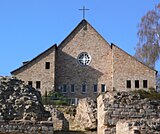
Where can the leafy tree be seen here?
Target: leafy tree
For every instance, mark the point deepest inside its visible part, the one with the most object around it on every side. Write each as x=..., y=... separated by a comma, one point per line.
x=148, y=47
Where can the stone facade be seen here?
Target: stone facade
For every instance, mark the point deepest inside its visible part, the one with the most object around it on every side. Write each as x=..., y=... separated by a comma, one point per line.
x=35, y=71
x=125, y=67
x=68, y=71
x=113, y=107
x=109, y=68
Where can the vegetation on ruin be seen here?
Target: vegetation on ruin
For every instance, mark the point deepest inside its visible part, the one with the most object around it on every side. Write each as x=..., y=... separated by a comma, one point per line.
x=54, y=98
x=151, y=93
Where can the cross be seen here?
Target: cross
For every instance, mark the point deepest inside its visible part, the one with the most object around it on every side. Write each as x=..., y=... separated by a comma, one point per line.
x=83, y=9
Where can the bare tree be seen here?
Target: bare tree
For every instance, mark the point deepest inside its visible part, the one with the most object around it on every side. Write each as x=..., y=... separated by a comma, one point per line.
x=158, y=82
x=148, y=47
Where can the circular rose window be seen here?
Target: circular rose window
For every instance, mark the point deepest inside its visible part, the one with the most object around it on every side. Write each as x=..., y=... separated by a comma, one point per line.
x=84, y=59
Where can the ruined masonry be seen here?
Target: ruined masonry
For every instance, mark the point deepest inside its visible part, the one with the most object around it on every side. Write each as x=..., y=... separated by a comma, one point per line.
x=86, y=114
x=21, y=109
x=127, y=113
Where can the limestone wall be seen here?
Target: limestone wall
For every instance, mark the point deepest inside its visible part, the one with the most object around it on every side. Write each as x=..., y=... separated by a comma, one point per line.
x=116, y=106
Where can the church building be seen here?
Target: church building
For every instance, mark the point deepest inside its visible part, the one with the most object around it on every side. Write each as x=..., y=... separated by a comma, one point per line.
x=84, y=64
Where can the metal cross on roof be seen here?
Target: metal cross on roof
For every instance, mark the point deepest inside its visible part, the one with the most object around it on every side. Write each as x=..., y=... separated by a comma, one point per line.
x=83, y=9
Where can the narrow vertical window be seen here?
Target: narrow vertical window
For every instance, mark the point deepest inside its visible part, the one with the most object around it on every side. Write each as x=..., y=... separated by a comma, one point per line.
x=30, y=83
x=103, y=88
x=84, y=88
x=64, y=90
x=38, y=84
x=136, y=83
x=128, y=83
x=145, y=84
x=95, y=88
x=72, y=88
x=47, y=65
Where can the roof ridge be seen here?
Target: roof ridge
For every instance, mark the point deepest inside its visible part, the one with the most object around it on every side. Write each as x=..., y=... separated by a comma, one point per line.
x=84, y=21
x=69, y=35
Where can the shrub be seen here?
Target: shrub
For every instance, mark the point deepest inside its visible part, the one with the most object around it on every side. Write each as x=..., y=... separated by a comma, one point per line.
x=55, y=95
x=150, y=94
x=55, y=98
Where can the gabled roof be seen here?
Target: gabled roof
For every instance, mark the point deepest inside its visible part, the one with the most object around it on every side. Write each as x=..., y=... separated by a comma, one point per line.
x=31, y=61
x=134, y=57
x=81, y=25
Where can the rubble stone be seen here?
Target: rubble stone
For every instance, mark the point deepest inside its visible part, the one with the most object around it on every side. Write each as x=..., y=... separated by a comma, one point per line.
x=86, y=114
x=115, y=106
x=61, y=122
x=139, y=126
x=19, y=101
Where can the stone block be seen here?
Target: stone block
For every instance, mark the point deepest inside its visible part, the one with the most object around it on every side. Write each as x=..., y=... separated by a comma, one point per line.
x=115, y=105
x=116, y=112
x=142, y=111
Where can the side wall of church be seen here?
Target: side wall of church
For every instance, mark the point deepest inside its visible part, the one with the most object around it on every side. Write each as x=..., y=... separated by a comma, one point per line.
x=36, y=72
x=70, y=72
x=125, y=67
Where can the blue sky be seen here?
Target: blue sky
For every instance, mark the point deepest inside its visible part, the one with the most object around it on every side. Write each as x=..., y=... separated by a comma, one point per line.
x=28, y=27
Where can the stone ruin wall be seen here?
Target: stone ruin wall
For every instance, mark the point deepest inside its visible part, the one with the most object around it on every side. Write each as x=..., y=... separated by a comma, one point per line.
x=21, y=109
x=138, y=127
x=28, y=127
x=114, y=107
